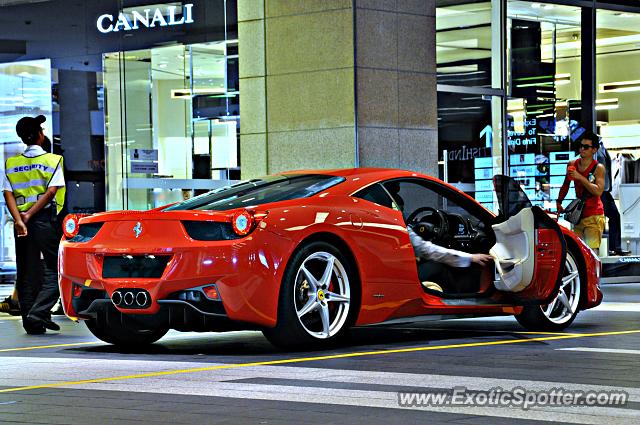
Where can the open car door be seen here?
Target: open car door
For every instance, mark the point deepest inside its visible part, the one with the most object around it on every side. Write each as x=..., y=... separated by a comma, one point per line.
x=530, y=249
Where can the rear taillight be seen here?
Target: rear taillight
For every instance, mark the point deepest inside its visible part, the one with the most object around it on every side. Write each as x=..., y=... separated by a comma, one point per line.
x=242, y=222
x=76, y=232
x=70, y=226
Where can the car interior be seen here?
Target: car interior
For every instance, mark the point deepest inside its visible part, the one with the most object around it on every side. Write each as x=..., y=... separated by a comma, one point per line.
x=441, y=216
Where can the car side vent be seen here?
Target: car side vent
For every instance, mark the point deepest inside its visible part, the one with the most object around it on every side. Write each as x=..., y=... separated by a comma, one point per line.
x=86, y=232
x=209, y=230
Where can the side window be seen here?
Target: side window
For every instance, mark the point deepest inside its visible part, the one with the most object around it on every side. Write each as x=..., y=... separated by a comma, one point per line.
x=413, y=194
x=375, y=193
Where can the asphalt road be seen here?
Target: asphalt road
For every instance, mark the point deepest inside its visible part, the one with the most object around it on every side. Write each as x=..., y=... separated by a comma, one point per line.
x=235, y=378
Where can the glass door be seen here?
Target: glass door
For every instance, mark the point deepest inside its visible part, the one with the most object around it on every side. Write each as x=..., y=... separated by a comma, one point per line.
x=215, y=116
x=171, y=126
x=543, y=107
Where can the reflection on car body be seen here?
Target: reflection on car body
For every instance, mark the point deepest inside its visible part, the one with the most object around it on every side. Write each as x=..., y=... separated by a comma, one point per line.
x=303, y=256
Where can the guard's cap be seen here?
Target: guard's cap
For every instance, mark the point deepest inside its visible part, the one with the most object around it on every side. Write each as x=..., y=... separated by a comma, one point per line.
x=28, y=128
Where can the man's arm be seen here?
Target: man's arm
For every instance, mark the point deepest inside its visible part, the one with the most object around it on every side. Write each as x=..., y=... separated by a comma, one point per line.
x=40, y=204
x=596, y=188
x=431, y=251
x=21, y=228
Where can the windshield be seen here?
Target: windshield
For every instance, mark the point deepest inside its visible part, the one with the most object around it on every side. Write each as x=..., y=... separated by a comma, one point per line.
x=259, y=191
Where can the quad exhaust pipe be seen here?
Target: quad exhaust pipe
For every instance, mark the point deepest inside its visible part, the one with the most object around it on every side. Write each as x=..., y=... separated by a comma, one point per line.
x=141, y=299
x=116, y=298
x=135, y=298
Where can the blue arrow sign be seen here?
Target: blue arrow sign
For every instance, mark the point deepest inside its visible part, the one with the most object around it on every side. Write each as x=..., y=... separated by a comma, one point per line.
x=488, y=131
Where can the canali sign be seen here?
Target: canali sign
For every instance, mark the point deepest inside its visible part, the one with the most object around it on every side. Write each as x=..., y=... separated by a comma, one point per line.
x=148, y=17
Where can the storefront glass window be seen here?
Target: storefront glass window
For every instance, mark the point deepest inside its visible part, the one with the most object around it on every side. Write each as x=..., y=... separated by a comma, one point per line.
x=25, y=89
x=172, y=123
x=468, y=48
x=469, y=57
x=618, y=107
x=543, y=107
x=470, y=145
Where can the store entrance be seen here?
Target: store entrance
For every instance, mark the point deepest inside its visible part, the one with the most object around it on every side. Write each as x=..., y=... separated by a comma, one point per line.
x=172, y=123
x=543, y=110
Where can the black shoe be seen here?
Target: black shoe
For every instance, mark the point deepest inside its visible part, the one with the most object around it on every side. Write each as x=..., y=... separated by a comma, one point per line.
x=35, y=331
x=51, y=325
x=36, y=322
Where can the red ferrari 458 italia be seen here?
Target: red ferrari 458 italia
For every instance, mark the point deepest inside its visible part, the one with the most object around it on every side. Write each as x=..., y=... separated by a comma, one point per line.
x=305, y=255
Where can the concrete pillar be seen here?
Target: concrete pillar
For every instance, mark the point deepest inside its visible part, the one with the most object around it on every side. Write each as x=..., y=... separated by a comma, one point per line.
x=396, y=84
x=77, y=93
x=337, y=83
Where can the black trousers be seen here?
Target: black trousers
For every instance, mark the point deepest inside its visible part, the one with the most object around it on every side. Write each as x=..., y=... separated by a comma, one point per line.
x=37, y=283
x=611, y=211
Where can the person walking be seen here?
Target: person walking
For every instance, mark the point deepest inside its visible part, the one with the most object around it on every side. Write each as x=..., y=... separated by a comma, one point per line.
x=34, y=191
x=610, y=208
x=588, y=177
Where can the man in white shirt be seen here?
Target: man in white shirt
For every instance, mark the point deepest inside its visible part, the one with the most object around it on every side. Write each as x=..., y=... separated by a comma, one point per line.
x=34, y=192
x=441, y=262
x=451, y=257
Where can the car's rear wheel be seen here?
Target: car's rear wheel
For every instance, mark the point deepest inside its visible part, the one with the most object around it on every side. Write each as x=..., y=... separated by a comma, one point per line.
x=125, y=331
x=316, y=304
x=562, y=311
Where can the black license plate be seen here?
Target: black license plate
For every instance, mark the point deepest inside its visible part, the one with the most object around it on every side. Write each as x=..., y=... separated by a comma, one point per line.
x=134, y=266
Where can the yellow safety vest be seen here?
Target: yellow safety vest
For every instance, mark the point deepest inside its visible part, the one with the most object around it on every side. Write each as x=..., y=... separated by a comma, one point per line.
x=30, y=177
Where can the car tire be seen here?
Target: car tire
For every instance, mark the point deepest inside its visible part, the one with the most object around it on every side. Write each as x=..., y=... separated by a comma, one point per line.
x=125, y=332
x=317, y=305
x=562, y=311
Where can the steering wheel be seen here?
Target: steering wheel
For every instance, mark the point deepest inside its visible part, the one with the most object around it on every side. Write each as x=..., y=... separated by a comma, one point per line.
x=429, y=223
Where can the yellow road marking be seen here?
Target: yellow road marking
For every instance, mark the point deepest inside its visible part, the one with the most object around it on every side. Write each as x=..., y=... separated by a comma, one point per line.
x=39, y=347
x=543, y=333
x=311, y=359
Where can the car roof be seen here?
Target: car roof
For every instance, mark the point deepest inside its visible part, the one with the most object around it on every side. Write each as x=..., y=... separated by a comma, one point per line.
x=356, y=178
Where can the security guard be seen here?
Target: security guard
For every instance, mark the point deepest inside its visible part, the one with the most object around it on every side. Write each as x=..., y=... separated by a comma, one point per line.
x=34, y=193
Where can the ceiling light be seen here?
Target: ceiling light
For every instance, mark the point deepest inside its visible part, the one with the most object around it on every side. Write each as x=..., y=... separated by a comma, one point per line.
x=602, y=104
x=548, y=6
x=536, y=5
x=562, y=79
x=186, y=93
x=620, y=86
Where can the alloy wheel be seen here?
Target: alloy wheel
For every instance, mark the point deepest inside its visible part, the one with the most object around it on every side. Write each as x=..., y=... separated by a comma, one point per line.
x=565, y=305
x=322, y=295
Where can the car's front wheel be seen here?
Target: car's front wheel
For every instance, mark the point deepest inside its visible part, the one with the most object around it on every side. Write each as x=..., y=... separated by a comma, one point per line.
x=562, y=311
x=317, y=296
x=125, y=332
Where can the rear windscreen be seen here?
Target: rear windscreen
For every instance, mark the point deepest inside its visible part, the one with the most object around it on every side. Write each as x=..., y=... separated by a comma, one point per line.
x=259, y=191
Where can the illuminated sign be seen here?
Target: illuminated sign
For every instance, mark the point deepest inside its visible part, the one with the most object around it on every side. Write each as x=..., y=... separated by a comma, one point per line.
x=149, y=17
x=516, y=138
